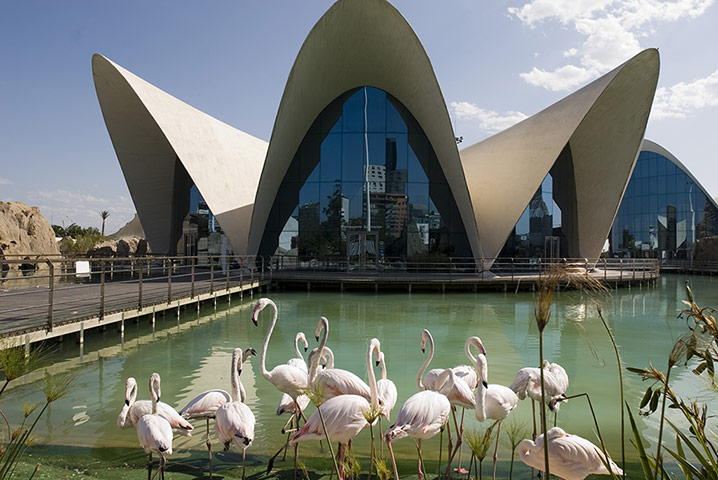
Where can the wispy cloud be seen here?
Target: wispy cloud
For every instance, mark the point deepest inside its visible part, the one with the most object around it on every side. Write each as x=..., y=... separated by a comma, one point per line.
x=65, y=207
x=5, y=181
x=683, y=98
x=612, y=31
x=490, y=121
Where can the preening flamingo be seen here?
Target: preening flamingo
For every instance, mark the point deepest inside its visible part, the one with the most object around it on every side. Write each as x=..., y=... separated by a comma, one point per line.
x=204, y=406
x=133, y=410
x=344, y=415
x=570, y=457
x=330, y=381
x=493, y=401
x=528, y=383
x=154, y=431
x=234, y=420
x=422, y=416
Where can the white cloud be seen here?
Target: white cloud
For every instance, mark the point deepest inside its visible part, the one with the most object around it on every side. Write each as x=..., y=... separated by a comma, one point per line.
x=612, y=29
x=5, y=181
x=489, y=120
x=65, y=207
x=681, y=99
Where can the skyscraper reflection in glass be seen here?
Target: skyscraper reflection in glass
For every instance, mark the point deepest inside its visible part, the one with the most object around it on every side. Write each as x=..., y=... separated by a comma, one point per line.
x=365, y=177
x=663, y=212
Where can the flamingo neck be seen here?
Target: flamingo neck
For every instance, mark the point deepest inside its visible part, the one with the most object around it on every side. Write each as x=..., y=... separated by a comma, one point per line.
x=296, y=348
x=154, y=393
x=234, y=375
x=324, y=324
x=422, y=369
x=382, y=364
x=373, y=345
x=480, y=395
x=263, y=356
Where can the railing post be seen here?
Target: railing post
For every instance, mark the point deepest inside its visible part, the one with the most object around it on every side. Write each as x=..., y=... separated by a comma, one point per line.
x=102, y=289
x=191, y=295
x=139, y=296
x=51, y=294
x=513, y=268
x=620, y=268
x=211, y=275
x=229, y=265
x=262, y=260
x=169, y=281
x=604, y=269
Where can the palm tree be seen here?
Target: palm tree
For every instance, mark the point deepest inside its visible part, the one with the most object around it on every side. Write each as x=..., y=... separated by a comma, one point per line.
x=104, y=214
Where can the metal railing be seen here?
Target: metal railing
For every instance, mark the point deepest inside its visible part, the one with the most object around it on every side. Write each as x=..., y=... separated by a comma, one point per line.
x=59, y=289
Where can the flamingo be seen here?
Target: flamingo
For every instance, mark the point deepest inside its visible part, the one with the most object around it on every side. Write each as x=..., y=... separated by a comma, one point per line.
x=528, y=383
x=571, y=457
x=459, y=394
x=286, y=378
x=386, y=389
x=332, y=382
x=234, y=420
x=344, y=415
x=298, y=361
x=154, y=431
x=204, y=406
x=133, y=410
x=422, y=416
x=492, y=401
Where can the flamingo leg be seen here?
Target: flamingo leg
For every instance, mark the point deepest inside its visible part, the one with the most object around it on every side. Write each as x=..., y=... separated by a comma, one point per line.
x=533, y=415
x=299, y=409
x=244, y=452
x=555, y=414
x=209, y=449
x=461, y=448
x=496, y=449
x=452, y=453
x=149, y=468
x=449, y=440
x=296, y=456
x=441, y=442
x=421, y=468
x=393, y=459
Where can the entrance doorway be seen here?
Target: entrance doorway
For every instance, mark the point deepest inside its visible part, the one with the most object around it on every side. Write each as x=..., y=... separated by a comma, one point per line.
x=362, y=248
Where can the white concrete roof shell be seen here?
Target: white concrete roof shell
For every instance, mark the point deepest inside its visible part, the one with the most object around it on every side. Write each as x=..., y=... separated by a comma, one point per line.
x=359, y=43
x=150, y=128
x=603, y=123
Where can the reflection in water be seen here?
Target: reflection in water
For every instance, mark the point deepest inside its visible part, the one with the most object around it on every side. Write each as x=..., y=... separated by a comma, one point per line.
x=193, y=355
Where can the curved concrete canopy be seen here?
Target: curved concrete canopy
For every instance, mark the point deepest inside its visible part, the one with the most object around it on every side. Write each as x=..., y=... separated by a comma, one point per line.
x=359, y=43
x=649, y=146
x=157, y=138
x=594, y=133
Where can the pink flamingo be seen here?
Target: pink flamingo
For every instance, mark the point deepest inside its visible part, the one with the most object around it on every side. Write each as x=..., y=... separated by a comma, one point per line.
x=344, y=415
x=528, y=383
x=334, y=381
x=298, y=361
x=133, y=410
x=154, y=431
x=204, y=406
x=422, y=416
x=571, y=457
x=492, y=401
x=234, y=420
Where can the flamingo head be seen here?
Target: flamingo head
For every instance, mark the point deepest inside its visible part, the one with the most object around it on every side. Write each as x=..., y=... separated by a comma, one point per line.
x=322, y=324
x=482, y=369
x=375, y=348
x=130, y=391
x=379, y=358
x=258, y=307
x=155, y=385
x=302, y=338
x=425, y=335
x=247, y=353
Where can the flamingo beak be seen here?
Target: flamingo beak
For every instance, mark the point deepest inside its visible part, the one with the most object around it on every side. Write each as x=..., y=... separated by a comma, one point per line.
x=423, y=350
x=253, y=352
x=377, y=362
x=127, y=402
x=486, y=385
x=306, y=348
x=317, y=337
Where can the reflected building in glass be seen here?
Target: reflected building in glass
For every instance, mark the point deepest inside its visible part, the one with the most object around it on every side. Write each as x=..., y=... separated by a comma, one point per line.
x=664, y=210
x=365, y=175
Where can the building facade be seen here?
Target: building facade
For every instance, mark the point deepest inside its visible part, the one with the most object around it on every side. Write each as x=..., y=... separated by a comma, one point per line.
x=363, y=158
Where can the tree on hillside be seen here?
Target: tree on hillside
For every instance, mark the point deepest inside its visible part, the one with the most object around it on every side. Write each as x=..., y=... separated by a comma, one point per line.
x=104, y=214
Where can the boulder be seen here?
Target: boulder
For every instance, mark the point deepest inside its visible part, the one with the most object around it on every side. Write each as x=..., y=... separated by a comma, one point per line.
x=25, y=231
x=119, y=248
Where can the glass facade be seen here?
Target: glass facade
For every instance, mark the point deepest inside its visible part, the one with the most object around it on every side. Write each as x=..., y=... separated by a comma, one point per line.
x=365, y=179
x=538, y=233
x=663, y=212
x=201, y=233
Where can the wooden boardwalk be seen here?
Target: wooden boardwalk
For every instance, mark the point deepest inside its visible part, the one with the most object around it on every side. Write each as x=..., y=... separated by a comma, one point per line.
x=25, y=314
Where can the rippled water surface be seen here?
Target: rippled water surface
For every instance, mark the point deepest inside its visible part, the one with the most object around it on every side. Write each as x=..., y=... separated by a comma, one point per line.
x=193, y=355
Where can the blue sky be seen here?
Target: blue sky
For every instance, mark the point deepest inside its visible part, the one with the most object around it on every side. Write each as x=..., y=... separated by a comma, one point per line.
x=496, y=61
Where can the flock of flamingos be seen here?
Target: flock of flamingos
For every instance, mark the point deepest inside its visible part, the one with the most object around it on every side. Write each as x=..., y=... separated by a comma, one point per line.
x=349, y=405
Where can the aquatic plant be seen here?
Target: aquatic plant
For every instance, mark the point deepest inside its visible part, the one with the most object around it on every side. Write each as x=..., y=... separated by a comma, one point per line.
x=515, y=432
x=701, y=343
x=15, y=362
x=479, y=443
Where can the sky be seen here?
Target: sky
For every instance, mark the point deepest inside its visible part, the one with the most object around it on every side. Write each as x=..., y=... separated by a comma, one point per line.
x=496, y=61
